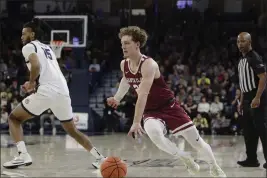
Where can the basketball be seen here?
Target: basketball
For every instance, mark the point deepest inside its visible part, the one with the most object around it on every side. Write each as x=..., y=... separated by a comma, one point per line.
x=113, y=167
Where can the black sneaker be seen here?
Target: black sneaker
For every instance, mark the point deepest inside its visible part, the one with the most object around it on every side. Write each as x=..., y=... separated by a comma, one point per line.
x=247, y=163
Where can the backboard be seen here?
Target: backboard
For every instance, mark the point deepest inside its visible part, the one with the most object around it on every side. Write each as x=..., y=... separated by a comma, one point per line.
x=70, y=28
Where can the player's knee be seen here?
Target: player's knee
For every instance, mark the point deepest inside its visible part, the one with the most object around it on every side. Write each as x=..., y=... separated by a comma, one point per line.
x=152, y=129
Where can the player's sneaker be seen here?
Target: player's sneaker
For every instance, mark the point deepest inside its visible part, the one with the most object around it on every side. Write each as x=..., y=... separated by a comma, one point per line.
x=24, y=159
x=98, y=163
x=216, y=171
x=191, y=165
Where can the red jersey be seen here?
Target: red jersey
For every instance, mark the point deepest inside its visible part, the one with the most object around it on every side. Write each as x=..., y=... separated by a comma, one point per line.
x=159, y=94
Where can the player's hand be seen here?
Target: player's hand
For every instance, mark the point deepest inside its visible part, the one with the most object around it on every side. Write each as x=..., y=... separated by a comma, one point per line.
x=136, y=131
x=240, y=108
x=112, y=102
x=255, y=103
x=29, y=86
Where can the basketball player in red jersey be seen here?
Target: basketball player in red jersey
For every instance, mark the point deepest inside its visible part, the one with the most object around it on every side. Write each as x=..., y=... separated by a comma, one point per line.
x=156, y=103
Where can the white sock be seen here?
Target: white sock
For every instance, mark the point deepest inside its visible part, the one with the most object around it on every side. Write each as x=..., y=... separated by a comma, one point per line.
x=193, y=138
x=96, y=154
x=154, y=130
x=21, y=147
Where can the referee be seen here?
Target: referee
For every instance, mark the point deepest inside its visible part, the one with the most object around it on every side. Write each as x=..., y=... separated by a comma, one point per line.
x=253, y=102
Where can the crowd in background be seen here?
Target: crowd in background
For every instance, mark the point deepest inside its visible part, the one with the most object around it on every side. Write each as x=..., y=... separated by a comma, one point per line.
x=198, y=59
x=13, y=69
x=196, y=55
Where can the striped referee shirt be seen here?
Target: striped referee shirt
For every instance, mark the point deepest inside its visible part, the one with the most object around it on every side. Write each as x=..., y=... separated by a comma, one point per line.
x=249, y=67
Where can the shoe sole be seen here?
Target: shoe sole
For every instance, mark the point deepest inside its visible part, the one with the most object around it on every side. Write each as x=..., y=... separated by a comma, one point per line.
x=95, y=166
x=193, y=172
x=213, y=175
x=16, y=166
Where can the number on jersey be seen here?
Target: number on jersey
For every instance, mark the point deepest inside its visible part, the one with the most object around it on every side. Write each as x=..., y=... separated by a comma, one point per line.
x=47, y=53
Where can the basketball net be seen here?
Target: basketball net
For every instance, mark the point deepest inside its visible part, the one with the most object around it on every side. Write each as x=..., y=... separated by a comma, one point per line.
x=57, y=47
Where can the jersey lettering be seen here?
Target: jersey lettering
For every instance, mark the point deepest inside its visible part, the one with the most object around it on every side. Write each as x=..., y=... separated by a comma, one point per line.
x=47, y=53
x=135, y=86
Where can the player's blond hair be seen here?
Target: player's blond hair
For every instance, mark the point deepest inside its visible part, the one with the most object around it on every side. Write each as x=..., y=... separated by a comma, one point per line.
x=137, y=34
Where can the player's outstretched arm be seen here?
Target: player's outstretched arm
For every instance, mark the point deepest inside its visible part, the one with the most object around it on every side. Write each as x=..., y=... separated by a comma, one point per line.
x=148, y=71
x=121, y=92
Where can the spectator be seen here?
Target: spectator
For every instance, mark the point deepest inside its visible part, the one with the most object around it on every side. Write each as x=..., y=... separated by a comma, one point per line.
x=236, y=100
x=179, y=67
x=94, y=67
x=69, y=62
x=4, y=118
x=3, y=99
x=216, y=87
x=197, y=95
x=182, y=96
x=190, y=107
x=216, y=106
x=3, y=69
x=209, y=95
x=220, y=125
x=203, y=80
x=203, y=106
x=14, y=103
x=201, y=123
x=47, y=115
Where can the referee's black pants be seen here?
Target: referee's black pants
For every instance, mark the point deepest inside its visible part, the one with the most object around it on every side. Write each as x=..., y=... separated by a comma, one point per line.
x=254, y=123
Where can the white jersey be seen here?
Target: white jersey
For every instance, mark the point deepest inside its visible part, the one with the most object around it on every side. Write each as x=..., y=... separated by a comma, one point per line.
x=51, y=77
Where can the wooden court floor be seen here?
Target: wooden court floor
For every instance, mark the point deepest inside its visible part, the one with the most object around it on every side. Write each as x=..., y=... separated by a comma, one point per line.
x=61, y=156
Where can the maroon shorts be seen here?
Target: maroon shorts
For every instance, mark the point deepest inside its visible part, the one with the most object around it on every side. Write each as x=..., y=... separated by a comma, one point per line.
x=173, y=115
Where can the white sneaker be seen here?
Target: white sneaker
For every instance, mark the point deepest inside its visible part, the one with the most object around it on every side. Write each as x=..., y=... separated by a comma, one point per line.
x=24, y=159
x=191, y=166
x=216, y=171
x=98, y=163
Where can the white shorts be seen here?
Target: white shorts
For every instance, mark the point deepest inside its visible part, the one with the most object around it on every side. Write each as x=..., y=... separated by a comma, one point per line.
x=38, y=102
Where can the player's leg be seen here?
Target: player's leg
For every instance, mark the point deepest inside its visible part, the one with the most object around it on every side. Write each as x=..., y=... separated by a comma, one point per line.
x=251, y=136
x=28, y=108
x=156, y=131
x=53, y=123
x=193, y=138
x=63, y=111
x=42, y=119
x=260, y=121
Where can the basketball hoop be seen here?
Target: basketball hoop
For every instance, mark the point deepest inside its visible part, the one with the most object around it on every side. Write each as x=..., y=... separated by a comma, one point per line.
x=57, y=47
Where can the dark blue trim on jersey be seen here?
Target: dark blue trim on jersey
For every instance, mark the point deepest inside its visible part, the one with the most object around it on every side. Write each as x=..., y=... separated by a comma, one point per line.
x=35, y=48
x=27, y=110
x=37, y=83
x=67, y=120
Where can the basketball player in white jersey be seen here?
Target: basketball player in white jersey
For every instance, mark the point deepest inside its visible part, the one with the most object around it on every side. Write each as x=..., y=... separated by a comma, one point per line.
x=49, y=91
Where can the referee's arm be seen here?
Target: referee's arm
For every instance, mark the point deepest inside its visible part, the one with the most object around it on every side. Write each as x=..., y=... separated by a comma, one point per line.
x=260, y=69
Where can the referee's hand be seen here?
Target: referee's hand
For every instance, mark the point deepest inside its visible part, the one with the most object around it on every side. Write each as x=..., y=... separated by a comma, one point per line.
x=255, y=103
